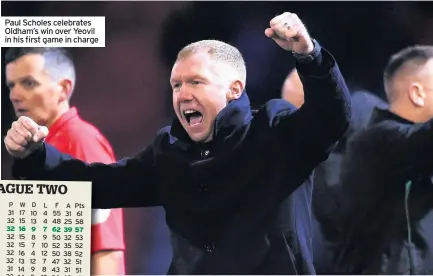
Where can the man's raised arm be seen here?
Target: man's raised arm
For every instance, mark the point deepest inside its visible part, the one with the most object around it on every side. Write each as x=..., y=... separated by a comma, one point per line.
x=325, y=115
x=129, y=182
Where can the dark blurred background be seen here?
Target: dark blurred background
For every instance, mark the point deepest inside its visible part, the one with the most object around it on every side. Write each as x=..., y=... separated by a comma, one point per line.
x=124, y=90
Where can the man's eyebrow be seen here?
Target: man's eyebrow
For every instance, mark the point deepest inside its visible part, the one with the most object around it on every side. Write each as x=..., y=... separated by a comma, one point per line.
x=198, y=76
x=193, y=76
x=173, y=81
x=9, y=83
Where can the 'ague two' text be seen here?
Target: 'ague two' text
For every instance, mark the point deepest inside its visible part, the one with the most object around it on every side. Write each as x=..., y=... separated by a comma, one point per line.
x=33, y=188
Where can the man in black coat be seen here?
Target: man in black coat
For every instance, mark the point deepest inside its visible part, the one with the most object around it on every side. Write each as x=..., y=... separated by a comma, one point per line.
x=327, y=195
x=219, y=172
x=386, y=176
x=296, y=209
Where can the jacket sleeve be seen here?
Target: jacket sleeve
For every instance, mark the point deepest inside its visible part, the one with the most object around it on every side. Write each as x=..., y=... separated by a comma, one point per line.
x=313, y=130
x=408, y=150
x=130, y=182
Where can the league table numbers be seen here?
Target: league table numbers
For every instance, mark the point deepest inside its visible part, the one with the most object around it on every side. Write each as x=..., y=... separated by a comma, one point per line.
x=46, y=228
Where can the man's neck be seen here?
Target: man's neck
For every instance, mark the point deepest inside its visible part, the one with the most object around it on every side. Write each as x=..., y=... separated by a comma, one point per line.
x=63, y=108
x=406, y=112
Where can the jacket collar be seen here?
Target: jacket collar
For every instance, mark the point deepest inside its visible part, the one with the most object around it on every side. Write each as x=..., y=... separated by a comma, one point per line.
x=382, y=114
x=231, y=118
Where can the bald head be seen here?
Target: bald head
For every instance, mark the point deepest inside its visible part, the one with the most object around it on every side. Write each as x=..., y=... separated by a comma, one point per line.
x=220, y=52
x=411, y=66
x=293, y=90
x=408, y=80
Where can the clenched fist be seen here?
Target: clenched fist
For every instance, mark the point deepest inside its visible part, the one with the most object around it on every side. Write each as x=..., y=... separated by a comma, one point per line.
x=24, y=137
x=289, y=33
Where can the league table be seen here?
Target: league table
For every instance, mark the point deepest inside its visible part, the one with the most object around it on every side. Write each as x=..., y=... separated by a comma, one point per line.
x=46, y=227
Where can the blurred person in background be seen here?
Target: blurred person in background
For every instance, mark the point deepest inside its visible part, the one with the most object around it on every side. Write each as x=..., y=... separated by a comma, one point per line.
x=327, y=195
x=386, y=176
x=292, y=90
x=224, y=214
x=322, y=189
x=41, y=82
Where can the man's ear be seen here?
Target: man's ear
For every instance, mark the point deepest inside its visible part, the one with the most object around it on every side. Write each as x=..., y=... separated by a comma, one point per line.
x=66, y=89
x=235, y=90
x=416, y=94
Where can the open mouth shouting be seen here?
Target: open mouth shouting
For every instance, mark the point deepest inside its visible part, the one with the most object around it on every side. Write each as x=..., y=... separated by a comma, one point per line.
x=20, y=111
x=193, y=117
